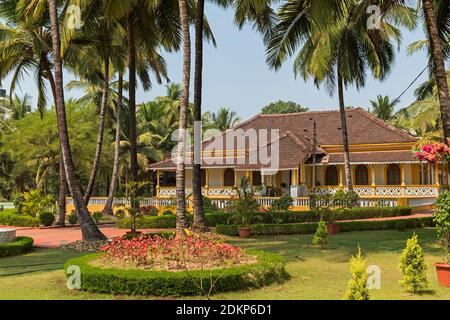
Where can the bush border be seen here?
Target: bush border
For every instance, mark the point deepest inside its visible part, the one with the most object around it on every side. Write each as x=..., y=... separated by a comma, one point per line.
x=347, y=226
x=269, y=269
x=20, y=246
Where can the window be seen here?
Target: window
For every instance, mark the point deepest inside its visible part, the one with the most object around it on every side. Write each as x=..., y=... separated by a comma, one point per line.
x=256, y=178
x=228, y=178
x=331, y=176
x=361, y=175
x=393, y=175
x=168, y=179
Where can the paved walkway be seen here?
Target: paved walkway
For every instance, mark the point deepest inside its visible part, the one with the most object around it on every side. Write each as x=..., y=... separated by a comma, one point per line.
x=56, y=237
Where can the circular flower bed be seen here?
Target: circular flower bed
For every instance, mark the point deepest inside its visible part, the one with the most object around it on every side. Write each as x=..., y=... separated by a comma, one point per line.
x=20, y=246
x=177, y=267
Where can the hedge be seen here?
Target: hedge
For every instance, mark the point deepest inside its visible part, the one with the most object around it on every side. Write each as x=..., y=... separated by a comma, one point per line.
x=169, y=221
x=11, y=218
x=310, y=228
x=20, y=246
x=221, y=218
x=269, y=269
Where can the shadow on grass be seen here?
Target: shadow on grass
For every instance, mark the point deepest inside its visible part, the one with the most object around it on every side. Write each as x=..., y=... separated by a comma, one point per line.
x=37, y=260
x=342, y=246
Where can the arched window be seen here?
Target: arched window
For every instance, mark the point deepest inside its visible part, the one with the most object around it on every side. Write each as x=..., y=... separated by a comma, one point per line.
x=256, y=178
x=228, y=178
x=361, y=175
x=393, y=174
x=331, y=176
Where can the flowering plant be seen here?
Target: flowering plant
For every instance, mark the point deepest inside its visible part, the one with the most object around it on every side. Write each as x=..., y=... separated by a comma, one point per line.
x=433, y=153
x=190, y=252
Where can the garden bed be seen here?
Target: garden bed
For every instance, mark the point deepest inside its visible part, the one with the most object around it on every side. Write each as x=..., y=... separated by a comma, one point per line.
x=20, y=246
x=347, y=226
x=268, y=269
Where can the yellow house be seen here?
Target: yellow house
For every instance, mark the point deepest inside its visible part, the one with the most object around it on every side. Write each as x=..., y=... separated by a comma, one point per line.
x=277, y=152
x=384, y=169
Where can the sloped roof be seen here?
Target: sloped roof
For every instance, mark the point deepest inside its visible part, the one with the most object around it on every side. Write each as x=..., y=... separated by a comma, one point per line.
x=295, y=132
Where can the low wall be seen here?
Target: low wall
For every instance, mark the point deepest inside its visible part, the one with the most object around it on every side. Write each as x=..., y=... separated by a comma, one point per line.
x=7, y=235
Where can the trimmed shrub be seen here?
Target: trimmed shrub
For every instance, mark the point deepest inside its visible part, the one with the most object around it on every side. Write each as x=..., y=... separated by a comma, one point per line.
x=10, y=217
x=97, y=216
x=269, y=269
x=20, y=246
x=73, y=218
x=46, y=219
x=168, y=213
x=310, y=228
x=413, y=266
x=282, y=204
x=320, y=237
x=357, y=286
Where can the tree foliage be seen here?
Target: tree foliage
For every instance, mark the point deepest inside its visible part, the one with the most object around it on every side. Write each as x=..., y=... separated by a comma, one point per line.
x=413, y=266
x=357, y=287
x=283, y=107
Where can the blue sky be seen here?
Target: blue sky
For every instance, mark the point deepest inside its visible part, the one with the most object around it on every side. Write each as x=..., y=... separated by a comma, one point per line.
x=236, y=75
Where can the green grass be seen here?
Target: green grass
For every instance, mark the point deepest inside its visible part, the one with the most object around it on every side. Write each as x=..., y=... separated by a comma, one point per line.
x=316, y=273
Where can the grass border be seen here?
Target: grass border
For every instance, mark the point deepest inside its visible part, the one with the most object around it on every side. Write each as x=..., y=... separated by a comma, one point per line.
x=20, y=246
x=270, y=268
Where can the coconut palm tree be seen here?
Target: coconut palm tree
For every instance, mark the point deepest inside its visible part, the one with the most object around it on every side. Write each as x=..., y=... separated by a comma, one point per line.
x=180, y=173
x=89, y=229
x=437, y=22
x=26, y=47
x=383, y=107
x=338, y=51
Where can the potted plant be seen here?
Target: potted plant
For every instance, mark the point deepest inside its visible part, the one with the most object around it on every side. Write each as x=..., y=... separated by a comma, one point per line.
x=245, y=207
x=442, y=221
x=244, y=229
x=330, y=217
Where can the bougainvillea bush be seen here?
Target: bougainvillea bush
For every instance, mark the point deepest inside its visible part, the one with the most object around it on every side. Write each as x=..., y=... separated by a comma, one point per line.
x=433, y=153
x=192, y=252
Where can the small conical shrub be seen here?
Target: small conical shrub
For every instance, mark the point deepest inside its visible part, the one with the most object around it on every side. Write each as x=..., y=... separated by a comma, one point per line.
x=413, y=266
x=320, y=237
x=357, y=287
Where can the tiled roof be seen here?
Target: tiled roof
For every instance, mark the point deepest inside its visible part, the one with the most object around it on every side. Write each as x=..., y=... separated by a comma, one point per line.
x=372, y=157
x=295, y=132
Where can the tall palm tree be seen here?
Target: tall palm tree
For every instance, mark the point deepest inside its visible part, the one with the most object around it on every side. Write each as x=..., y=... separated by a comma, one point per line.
x=437, y=21
x=383, y=107
x=26, y=47
x=180, y=173
x=337, y=52
x=438, y=61
x=89, y=229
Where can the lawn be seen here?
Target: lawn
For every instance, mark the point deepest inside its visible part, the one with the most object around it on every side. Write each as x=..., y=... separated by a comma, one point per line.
x=316, y=273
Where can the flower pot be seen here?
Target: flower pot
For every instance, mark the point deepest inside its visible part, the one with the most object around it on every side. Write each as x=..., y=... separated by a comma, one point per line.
x=333, y=228
x=443, y=274
x=244, y=232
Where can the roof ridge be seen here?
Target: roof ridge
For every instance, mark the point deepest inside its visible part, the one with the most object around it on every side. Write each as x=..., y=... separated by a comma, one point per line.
x=297, y=113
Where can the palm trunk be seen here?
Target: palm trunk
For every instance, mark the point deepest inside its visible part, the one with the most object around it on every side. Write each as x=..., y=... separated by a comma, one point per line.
x=199, y=224
x=132, y=97
x=101, y=131
x=180, y=175
x=348, y=173
x=112, y=188
x=62, y=193
x=439, y=65
x=88, y=228
x=62, y=189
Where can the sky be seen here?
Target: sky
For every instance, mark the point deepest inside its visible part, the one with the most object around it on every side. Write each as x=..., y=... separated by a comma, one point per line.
x=236, y=75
